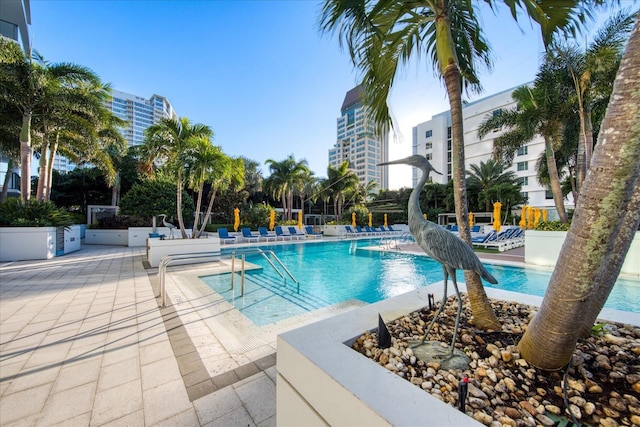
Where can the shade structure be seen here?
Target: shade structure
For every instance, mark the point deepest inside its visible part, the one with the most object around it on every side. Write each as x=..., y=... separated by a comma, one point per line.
x=370, y=219
x=470, y=219
x=523, y=218
x=353, y=219
x=385, y=220
x=300, y=219
x=544, y=215
x=529, y=217
x=272, y=220
x=536, y=216
x=236, y=219
x=496, y=215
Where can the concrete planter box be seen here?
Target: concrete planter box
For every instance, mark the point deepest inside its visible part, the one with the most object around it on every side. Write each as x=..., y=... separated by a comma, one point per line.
x=107, y=237
x=138, y=235
x=34, y=243
x=543, y=248
x=333, y=230
x=322, y=381
x=157, y=249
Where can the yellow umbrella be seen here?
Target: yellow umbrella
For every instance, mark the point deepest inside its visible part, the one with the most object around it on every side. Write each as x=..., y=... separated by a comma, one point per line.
x=425, y=216
x=272, y=219
x=496, y=215
x=353, y=219
x=300, y=219
x=536, y=213
x=523, y=218
x=529, y=217
x=370, y=219
x=470, y=219
x=544, y=215
x=385, y=220
x=236, y=219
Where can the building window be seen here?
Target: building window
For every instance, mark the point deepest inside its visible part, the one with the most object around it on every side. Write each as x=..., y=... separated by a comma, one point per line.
x=523, y=180
x=548, y=195
x=523, y=166
x=428, y=145
x=429, y=156
x=428, y=134
x=523, y=151
x=496, y=113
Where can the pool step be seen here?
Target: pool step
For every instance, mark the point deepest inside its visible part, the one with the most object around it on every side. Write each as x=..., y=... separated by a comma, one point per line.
x=289, y=290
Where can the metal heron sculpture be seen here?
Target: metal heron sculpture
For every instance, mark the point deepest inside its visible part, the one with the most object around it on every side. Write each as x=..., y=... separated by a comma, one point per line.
x=167, y=224
x=439, y=243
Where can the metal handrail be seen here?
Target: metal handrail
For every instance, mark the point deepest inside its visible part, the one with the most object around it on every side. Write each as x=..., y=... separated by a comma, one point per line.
x=206, y=256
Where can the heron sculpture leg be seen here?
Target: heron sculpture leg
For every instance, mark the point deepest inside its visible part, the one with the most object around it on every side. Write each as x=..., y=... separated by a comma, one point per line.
x=444, y=300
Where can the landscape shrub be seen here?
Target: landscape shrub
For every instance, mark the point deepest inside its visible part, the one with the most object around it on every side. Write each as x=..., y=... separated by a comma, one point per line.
x=18, y=213
x=120, y=222
x=553, y=226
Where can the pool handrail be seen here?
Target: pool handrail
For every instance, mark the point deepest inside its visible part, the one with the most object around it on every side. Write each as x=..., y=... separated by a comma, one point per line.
x=216, y=255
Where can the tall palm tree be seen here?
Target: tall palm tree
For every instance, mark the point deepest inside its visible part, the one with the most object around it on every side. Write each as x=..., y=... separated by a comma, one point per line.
x=492, y=180
x=541, y=110
x=282, y=181
x=172, y=142
x=602, y=228
x=340, y=181
x=592, y=73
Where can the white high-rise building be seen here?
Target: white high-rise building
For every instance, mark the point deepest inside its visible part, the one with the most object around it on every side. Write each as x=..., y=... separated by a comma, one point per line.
x=433, y=140
x=358, y=144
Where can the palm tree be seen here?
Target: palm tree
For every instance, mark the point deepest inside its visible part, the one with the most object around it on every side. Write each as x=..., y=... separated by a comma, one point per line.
x=339, y=182
x=363, y=193
x=602, y=229
x=493, y=182
x=592, y=73
x=282, y=181
x=172, y=142
x=541, y=110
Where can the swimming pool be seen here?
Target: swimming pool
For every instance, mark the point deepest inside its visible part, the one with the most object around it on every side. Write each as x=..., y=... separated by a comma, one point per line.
x=334, y=272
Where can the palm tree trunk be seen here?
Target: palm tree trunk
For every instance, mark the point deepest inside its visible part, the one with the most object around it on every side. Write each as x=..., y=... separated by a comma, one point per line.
x=628, y=230
x=179, y=206
x=7, y=180
x=596, y=230
x=208, y=214
x=42, y=170
x=25, y=157
x=53, y=151
x=484, y=316
x=115, y=190
x=196, y=215
x=554, y=180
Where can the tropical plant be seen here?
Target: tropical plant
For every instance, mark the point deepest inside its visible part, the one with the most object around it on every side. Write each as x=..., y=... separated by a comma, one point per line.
x=362, y=215
x=33, y=213
x=490, y=182
x=603, y=227
x=284, y=178
x=172, y=141
x=153, y=197
x=77, y=189
x=340, y=181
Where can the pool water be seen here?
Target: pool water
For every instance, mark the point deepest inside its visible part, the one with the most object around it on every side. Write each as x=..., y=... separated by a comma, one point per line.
x=334, y=272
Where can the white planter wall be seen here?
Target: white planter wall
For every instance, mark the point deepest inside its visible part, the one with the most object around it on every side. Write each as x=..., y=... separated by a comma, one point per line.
x=543, y=248
x=27, y=243
x=72, y=239
x=106, y=237
x=138, y=235
x=157, y=249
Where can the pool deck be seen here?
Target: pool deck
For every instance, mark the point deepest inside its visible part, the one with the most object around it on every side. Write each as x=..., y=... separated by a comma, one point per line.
x=83, y=342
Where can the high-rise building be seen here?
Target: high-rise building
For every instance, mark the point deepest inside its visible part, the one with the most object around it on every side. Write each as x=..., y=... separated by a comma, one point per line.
x=15, y=18
x=357, y=142
x=433, y=140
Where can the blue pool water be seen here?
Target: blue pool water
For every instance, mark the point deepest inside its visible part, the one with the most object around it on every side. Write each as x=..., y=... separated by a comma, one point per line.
x=333, y=272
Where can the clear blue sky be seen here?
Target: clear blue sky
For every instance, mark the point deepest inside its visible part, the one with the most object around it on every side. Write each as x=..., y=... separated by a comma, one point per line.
x=259, y=73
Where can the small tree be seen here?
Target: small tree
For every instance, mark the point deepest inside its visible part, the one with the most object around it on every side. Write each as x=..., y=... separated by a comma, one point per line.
x=153, y=197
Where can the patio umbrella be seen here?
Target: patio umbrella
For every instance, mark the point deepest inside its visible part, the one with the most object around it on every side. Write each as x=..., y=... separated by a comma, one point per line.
x=470, y=219
x=523, y=218
x=385, y=220
x=236, y=219
x=300, y=219
x=425, y=216
x=272, y=219
x=496, y=215
x=529, y=217
x=544, y=215
x=536, y=214
x=353, y=219
x=370, y=219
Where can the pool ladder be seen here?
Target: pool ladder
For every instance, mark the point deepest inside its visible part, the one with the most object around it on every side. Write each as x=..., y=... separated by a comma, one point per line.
x=388, y=242
x=217, y=256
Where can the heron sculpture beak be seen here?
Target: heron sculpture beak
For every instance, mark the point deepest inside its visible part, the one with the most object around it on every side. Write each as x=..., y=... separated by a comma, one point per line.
x=415, y=160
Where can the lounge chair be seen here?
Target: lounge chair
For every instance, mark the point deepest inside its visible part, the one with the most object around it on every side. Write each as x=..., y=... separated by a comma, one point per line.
x=265, y=235
x=310, y=233
x=294, y=233
x=348, y=231
x=492, y=235
x=281, y=234
x=361, y=232
x=248, y=236
x=223, y=233
x=390, y=228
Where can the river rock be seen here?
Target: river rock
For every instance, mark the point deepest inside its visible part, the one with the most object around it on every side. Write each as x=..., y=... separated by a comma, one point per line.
x=608, y=422
x=482, y=417
x=544, y=420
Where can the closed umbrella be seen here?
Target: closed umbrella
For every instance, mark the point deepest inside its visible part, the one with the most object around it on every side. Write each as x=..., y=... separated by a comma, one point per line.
x=272, y=220
x=370, y=219
x=529, y=217
x=496, y=215
x=470, y=219
x=353, y=219
x=523, y=218
x=425, y=216
x=236, y=219
x=385, y=220
x=544, y=215
x=536, y=215
x=300, y=219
